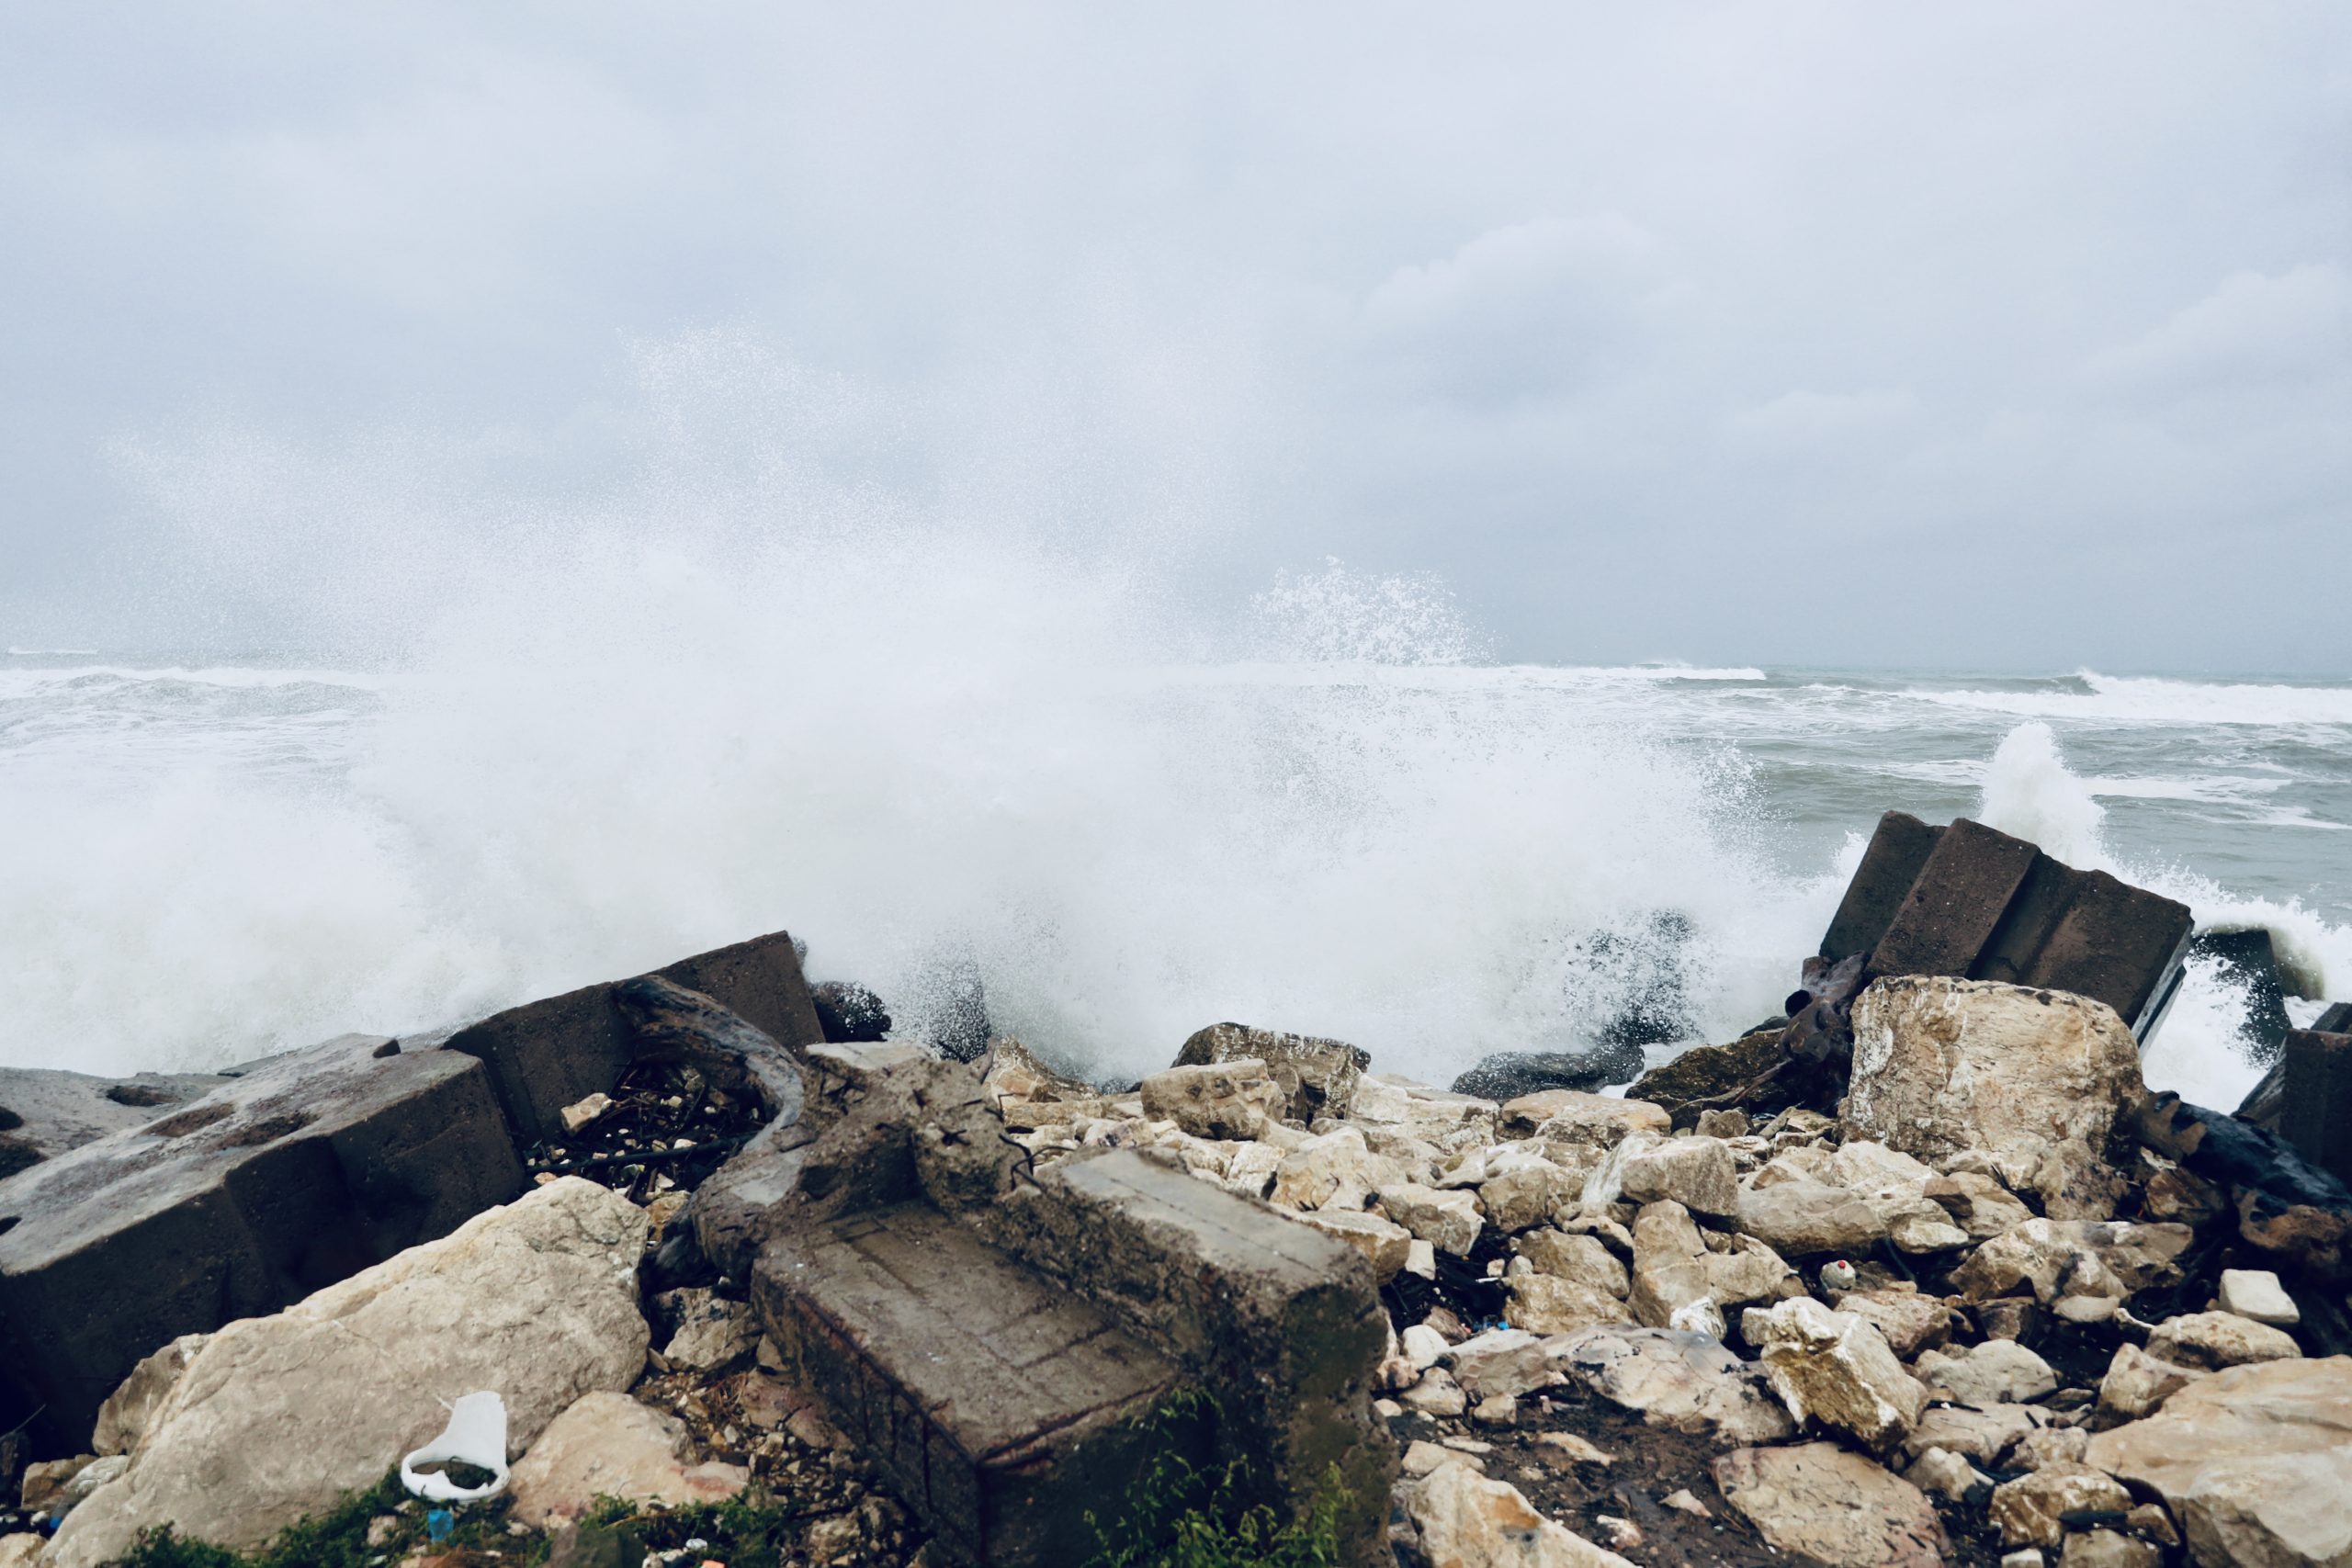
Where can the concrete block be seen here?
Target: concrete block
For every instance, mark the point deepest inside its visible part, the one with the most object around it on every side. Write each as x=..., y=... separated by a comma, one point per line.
x=1890, y=865
x=2316, y=1109
x=999, y=1406
x=1282, y=1324
x=1983, y=906
x=310, y=1167
x=44, y=1111
x=1955, y=904
x=546, y=1055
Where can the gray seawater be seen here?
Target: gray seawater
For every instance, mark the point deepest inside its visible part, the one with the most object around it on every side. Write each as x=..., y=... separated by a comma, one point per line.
x=205, y=858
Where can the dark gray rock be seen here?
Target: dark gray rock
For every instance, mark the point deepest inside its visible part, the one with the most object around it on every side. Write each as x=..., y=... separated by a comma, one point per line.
x=547, y=1055
x=238, y=1202
x=849, y=1013
x=1507, y=1074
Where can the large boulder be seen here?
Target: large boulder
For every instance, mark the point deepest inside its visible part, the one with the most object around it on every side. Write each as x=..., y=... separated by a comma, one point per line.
x=608, y=1445
x=2220, y=1339
x=1802, y=1219
x=1686, y=1382
x=2114, y=1260
x=2037, y=1078
x=1670, y=1285
x=1227, y=1099
x=1822, y=1503
x=277, y=1417
x=1697, y=1173
x=1835, y=1369
x=1507, y=1074
x=2255, y=1462
x=1468, y=1521
x=1710, y=1073
x=1319, y=1078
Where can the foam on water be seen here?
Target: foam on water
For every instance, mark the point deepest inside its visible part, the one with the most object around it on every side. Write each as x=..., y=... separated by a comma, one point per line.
x=758, y=681
x=2202, y=1051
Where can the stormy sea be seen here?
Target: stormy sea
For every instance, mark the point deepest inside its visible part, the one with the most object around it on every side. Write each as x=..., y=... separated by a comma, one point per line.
x=1333, y=817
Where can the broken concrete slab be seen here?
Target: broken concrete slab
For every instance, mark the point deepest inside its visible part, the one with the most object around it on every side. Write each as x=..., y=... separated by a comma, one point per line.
x=1017, y=1346
x=2315, y=1111
x=547, y=1055
x=312, y=1167
x=1981, y=905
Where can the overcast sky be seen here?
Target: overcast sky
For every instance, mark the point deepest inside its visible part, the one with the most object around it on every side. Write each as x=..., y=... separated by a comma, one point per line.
x=1985, y=335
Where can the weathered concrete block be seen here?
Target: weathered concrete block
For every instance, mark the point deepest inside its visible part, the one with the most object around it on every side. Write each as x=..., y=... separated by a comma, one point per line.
x=1282, y=1324
x=1890, y=865
x=545, y=1054
x=1981, y=905
x=310, y=1167
x=2316, y=1109
x=999, y=1406
x=44, y=1111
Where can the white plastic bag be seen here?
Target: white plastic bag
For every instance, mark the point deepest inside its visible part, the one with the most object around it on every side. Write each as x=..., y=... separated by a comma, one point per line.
x=476, y=1434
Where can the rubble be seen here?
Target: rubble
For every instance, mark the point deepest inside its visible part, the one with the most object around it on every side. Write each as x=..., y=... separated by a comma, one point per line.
x=1916, y=1269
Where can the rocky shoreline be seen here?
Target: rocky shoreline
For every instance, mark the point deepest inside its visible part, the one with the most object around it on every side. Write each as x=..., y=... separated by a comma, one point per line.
x=1918, y=1271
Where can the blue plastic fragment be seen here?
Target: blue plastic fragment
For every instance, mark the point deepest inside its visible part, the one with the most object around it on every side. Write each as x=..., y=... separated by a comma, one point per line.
x=439, y=1523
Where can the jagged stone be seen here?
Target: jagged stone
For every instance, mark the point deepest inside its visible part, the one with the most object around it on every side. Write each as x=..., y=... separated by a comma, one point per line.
x=2047, y=1446
x=1748, y=1271
x=1468, y=1521
x=1570, y=1116
x=1577, y=1258
x=1318, y=1078
x=1979, y=1204
x=1224, y=1099
x=1821, y=1503
x=1529, y=1195
x=1980, y=1435
x=1695, y=1172
x=2056, y=1258
x=2256, y=1293
x=1687, y=1382
x=1835, y=1368
x=2029, y=1510
x=2037, y=1078
x=1502, y=1360
x=1670, y=1282
x=2137, y=1384
x=2254, y=1462
x=1946, y=1474
x=2215, y=1339
x=2100, y=1547
x=608, y=1445
x=1385, y=1245
x=1998, y=1371
x=1544, y=1303
x=1447, y=1221
x=1800, y=1218
x=1401, y=1106
x=1911, y=1321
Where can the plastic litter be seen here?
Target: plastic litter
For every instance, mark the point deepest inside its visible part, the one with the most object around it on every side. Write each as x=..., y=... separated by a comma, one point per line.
x=438, y=1524
x=476, y=1434
x=1839, y=1276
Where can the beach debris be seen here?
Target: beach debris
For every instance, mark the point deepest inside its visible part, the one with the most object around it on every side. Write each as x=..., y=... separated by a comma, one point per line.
x=475, y=1436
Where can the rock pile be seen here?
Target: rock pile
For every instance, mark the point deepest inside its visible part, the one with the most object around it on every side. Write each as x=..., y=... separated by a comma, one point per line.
x=1976, y=1316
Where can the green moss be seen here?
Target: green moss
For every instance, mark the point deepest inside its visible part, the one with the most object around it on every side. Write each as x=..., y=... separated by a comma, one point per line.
x=338, y=1537
x=1183, y=1515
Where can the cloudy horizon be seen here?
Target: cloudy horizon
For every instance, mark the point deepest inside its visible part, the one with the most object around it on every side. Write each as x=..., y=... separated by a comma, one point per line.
x=1799, y=334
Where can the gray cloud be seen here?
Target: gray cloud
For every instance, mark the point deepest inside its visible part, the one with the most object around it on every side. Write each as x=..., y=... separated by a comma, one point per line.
x=1797, y=332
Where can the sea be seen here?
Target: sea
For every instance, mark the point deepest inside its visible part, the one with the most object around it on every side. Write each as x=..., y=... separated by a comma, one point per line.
x=205, y=857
